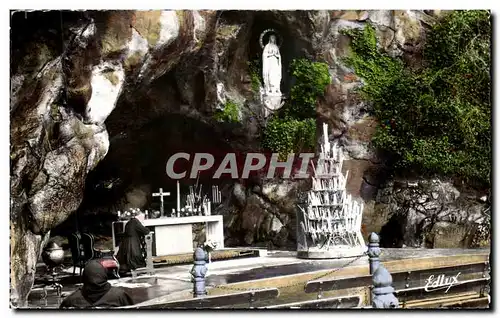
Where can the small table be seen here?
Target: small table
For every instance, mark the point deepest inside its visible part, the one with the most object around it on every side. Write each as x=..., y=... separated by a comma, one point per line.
x=174, y=235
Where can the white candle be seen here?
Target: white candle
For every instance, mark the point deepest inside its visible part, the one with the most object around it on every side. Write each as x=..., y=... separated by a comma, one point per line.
x=345, y=178
x=325, y=133
x=178, y=196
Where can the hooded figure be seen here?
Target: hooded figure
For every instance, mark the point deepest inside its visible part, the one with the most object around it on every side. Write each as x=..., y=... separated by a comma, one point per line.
x=130, y=253
x=96, y=291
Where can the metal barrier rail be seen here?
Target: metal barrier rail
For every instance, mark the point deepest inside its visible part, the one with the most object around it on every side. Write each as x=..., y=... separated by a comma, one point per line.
x=409, y=286
x=401, y=280
x=336, y=302
x=220, y=301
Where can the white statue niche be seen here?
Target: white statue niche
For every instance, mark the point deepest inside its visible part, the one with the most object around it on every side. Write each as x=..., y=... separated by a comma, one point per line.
x=270, y=94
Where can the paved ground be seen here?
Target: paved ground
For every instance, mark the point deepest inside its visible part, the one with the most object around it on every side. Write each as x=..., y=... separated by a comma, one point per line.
x=173, y=281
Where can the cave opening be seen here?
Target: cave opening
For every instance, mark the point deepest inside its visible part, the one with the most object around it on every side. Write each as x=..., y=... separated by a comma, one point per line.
x=148, y=127
x=391, y=234
x=135, y=167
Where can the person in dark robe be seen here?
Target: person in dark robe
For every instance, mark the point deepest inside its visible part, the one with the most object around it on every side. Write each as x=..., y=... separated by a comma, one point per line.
x=96, y=291
x=130, y=251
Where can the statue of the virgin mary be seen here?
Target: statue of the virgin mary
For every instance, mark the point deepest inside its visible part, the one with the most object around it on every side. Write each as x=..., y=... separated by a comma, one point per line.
x=271, y=67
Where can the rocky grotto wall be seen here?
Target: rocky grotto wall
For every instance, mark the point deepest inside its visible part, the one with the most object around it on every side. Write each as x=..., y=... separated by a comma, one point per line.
x=428, y=213
x=101, y=99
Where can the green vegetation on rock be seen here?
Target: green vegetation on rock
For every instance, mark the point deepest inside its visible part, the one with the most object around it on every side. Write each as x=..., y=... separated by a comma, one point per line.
x=311, y=79
x=254, y=67
x=112, y=78
x=293, y=127
x=230, y=113
x=434, y=119
x=132, y=61
x=148, y=24
x=286, y=135
x=227, y=30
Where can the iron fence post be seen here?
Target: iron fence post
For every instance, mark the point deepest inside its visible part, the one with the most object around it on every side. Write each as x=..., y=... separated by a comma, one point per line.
x=198, y=273
x=383, y=292
x=374, y=252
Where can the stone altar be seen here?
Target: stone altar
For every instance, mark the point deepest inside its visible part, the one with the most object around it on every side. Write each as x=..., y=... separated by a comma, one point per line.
x=174, y=235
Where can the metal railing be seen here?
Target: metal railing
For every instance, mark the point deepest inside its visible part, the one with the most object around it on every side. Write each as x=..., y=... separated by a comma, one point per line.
x=386, y=289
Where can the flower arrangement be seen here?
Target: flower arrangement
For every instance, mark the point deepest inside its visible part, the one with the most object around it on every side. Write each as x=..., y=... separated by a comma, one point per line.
x=133, y=212
x=209, y=246
x=126, y=215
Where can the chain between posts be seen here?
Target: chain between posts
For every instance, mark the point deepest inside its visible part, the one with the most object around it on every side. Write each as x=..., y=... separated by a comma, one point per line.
x=295, y=284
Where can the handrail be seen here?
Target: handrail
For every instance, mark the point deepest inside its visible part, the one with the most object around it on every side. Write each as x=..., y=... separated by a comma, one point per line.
x=359, y=281
x=300, y=304
x=218, y=301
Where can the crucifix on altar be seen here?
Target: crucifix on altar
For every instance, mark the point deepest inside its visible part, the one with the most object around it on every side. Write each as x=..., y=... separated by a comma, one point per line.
x=161, y=194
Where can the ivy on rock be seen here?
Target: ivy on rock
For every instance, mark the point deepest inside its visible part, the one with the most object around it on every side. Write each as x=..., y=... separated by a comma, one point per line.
x=230, y=113
x=311, y=79
x=293, y=128
x=287, y=135
x=435, y=119
x=254, y=66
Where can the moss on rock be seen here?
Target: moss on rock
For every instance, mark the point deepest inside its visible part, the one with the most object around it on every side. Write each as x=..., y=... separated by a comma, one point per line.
x=147, y=24
x=81, y=130
x=117, y=32
x=132, y=61
x=111, y=76
x=435, y=120
x=230, y=113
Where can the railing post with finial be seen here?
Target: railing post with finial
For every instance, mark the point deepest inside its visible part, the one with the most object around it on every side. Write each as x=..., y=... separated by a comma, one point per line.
x=383, y=292
x=198, y=273
x=374, y=252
